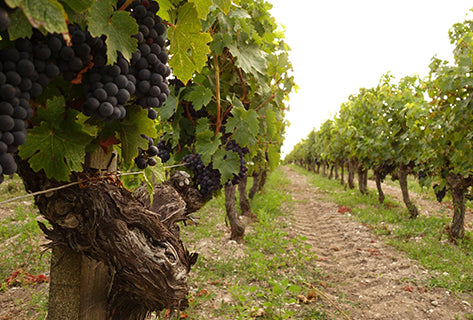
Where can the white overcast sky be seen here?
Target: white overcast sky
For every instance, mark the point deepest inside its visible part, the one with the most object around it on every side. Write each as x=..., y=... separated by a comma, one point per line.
x=339, y=46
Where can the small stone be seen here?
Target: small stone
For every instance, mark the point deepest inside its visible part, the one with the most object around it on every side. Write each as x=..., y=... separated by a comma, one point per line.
x=466, y=303
x=434, y=303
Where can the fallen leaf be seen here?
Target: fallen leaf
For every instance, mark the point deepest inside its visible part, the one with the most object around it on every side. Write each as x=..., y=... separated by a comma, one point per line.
x=408, y=288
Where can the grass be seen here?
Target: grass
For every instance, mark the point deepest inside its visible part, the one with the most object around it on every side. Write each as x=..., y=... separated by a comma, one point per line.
x=424, y=239
x=263, y=277
x=20, y=246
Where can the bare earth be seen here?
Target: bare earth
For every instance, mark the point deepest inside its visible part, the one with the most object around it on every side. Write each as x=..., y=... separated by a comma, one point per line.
x=365, y=277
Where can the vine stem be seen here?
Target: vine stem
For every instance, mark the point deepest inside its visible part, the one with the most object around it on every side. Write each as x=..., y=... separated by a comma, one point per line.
x=328, y=299
x=217, y=89
x=125, y=5
x=265, y=102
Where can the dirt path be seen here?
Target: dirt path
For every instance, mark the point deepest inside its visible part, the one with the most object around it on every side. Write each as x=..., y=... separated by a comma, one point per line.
x=367, y=278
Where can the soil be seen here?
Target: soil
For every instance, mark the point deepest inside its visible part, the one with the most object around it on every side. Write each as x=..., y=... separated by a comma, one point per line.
x=366, y=278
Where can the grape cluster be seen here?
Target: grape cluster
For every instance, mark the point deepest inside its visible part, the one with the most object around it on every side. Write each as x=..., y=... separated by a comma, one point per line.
x=29, y=65
x=19, y=81
x=206, y=179
x=233, y=146
x=149, y=63
x=385, y=168
x=439, y=192
x=146, y=158
x=164, y=150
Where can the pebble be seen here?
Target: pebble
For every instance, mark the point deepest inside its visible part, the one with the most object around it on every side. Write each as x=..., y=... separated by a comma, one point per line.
x=434, y=303
x=466, y=303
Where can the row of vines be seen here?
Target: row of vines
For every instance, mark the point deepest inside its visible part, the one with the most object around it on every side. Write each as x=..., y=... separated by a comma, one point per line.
x=125, y=117
x=408, y=126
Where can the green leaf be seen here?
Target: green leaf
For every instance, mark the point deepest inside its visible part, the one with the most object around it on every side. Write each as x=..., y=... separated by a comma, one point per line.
x=274, y=156
x=169, y=107
x=57, y=147
x=165, y=6
x=130, y=130
x=47, y=14
x=118, y=26
x=199, y=96
x=277, y=289
x=202, y=7
x=206, y=142
x=272, y=124
x=79, y=5
x=294, y=289
x=228, y=163
x=189, y=47
x=154, y=175
x=224, y=5
x=219, y=42
x=20, y=27
x=249, y=57
x=244, y=125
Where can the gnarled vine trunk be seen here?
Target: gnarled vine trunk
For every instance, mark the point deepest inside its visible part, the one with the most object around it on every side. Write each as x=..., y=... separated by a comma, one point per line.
x=378, y=179
x=256, y=182
x=362, y=179
x=236, y=226
x=403, y=173
x=352, y=165
x=324, y=169
x=342, y=172
x=458, y=186
x=244, y=201
x=139, y=248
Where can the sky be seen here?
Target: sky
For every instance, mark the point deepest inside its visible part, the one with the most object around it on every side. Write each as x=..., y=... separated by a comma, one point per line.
x=340, y=46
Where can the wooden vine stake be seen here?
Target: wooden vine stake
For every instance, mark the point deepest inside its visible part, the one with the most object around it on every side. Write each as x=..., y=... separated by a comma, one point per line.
x=80, y=286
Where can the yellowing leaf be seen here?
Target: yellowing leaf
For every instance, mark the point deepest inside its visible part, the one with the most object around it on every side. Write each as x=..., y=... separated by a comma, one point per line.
x=189, y=47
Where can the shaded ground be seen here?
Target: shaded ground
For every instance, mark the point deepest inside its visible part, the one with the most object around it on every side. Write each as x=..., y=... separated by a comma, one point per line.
x=367, y=278
x=425, y=206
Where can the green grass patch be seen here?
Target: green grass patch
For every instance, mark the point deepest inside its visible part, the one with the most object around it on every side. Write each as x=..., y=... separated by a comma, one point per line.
x=424, y=239
x=20, y=245
x=260, y=278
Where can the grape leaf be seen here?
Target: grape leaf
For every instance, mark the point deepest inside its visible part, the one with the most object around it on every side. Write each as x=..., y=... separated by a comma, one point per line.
x=249, y=57
x=164, y=7
x=272, y=125
x=199, y=96
x=154, y=175
x=118, y=26
x=20, y=27
x=206, y=144
x=47, y=14
x=220, y=41
x=228, y=163
x=189, y=47
x=78, y=5
x=57, y=147
x=224, y=5
x=274, y=156
x=244, y=125
x=130, y=130
x=202, y=7
x=168, y=108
